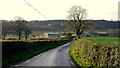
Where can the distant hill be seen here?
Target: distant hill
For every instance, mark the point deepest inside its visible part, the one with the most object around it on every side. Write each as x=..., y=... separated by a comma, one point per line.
x=47, y=26
x=104, y=24
x=56, y=26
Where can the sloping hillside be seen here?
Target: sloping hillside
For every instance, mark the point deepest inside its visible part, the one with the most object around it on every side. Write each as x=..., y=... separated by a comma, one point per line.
x=56, y=26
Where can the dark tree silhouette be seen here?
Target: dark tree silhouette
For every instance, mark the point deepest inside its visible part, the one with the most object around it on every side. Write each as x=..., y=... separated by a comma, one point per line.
x=27, y=31
x=6, y=28
x=20, y=26
x=77, y=15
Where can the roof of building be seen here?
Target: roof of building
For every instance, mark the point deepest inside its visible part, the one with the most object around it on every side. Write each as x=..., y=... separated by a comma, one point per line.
x=102, y=32
x=51, y=33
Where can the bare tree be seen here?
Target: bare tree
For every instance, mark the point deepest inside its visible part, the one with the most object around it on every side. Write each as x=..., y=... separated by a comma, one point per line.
x=19, y=26
x=6, y=28
x=77, y=15
x=27, y=31
x=69, y=26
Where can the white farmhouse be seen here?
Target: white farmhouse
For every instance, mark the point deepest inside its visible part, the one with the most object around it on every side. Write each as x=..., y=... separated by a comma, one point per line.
x=51, y=34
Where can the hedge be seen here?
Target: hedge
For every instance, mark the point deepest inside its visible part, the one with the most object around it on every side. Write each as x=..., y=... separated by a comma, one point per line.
x=14, y=52
x=86, y=53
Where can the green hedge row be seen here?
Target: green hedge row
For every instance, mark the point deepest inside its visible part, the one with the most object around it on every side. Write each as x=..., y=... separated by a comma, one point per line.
x=36, y=38
x=17, y=51
x=87, y=53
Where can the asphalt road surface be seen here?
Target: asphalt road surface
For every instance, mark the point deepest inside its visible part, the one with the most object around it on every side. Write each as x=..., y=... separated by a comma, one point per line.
x=55, y=57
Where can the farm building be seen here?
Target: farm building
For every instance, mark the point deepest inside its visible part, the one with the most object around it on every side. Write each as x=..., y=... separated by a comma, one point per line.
x=114, y=32
x=51, y=35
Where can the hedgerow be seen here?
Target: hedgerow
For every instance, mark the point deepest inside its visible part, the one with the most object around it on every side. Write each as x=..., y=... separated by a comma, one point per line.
x=16, y=51
x=88, y=53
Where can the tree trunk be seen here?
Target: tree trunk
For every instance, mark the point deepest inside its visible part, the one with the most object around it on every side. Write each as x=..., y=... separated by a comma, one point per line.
x=19, y=38
x=25, y=37
x=79, y=33
x=4, y=37
x=78, y=36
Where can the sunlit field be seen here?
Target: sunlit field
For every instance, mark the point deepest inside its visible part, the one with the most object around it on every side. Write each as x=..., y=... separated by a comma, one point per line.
x=107, y=40
x=34, y=39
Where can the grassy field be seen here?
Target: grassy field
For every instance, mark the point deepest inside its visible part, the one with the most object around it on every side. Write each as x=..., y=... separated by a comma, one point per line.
x=107, y=40
x=73, y=34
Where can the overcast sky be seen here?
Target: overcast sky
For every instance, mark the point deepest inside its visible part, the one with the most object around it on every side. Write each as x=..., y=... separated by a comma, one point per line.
x=57, y=9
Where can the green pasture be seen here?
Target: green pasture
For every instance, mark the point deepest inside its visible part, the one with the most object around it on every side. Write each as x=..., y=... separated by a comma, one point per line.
x=107, y=40
x=73, y=34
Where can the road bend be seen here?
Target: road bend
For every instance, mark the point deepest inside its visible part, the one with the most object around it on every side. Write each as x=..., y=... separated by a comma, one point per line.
x=55, y=57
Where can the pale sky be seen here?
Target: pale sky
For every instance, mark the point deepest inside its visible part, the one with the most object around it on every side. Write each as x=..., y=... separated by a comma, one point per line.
x=57, y=9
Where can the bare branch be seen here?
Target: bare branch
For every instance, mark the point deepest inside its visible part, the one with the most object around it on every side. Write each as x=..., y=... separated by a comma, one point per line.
x=77, y=15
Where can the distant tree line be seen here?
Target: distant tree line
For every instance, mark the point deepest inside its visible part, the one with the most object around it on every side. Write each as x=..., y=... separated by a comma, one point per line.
x=17, y=27
x=43, y=26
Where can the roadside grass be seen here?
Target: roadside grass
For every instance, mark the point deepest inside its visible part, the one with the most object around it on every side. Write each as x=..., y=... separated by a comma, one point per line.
x=106, y=40
x=86, y=54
